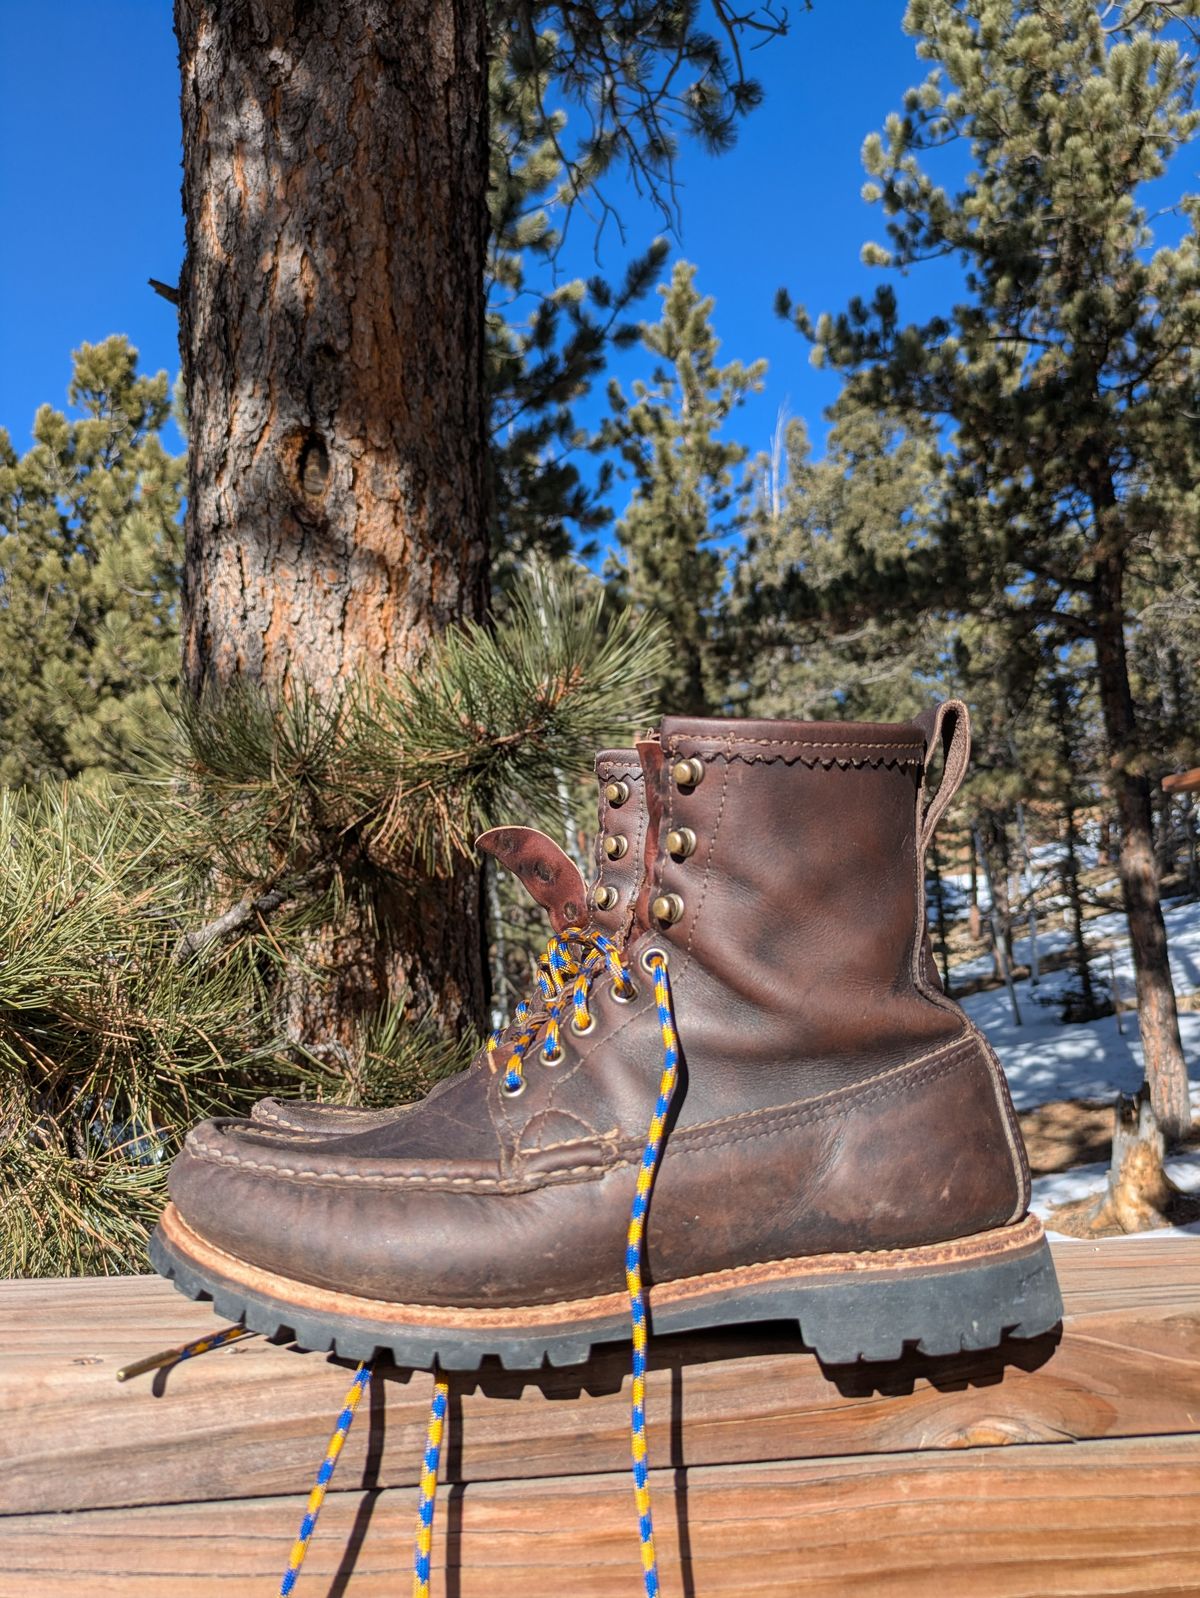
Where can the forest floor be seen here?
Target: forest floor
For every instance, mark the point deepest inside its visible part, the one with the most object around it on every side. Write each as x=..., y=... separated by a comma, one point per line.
x=1065, y=1076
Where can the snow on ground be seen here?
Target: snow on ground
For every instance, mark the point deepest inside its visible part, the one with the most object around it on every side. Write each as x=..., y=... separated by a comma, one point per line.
x=1086, y=1180
x=1046, y=1059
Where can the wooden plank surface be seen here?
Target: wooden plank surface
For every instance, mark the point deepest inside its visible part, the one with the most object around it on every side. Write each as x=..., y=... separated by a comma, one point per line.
x=252, y=1420
x=1085, y=1520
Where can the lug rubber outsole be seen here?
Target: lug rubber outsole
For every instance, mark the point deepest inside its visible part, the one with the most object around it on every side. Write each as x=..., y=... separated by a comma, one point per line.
x=941, y=1299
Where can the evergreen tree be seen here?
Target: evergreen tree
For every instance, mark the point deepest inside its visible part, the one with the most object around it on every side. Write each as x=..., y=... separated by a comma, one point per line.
x=686, y=501
x=1165, y=649
x=1068, y=370
x=824, y=537
x=334, y=354
x=89, y=572
x=544, y=350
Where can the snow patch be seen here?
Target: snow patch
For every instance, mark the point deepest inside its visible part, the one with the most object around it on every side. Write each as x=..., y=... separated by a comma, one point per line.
x=1045, y=1058
x=1086, y=1181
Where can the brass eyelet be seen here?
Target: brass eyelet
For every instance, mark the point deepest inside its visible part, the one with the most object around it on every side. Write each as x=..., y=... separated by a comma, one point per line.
x=681, y=843
x=551, y=1060
x=616, y=847
x=605, y=898
x=582, y=1031
x=668, y=908
x=513, y=1093
x=616, y=792
x=627, y=997
x=649, y=956
x=688, y=773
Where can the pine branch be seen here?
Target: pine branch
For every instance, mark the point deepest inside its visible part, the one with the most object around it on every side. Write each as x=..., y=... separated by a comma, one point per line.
x=245, y=912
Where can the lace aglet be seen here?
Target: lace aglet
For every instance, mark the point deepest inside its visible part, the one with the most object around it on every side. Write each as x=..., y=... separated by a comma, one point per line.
x=172, y=1356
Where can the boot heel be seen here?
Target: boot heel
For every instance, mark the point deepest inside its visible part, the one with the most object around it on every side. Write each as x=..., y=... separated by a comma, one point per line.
x=949, y=1312
x=943, y=1299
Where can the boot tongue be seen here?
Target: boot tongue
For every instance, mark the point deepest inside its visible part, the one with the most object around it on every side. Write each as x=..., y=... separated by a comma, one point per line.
x=549, y=873
x=650, y=753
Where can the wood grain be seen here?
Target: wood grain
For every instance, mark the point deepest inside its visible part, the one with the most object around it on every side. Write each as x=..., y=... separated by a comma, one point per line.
x=252, y=1420
x=1086, y=1520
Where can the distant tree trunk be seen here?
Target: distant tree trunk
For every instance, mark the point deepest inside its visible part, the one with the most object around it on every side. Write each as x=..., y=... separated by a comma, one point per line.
x=1026, y=881
x=1166, y=1071
x=1164, y=841
x=939, y=903
x=974, y=920
x=1070, y=874
x=1193, y=855
x=331, y=324
x=995, y=860
x=999, y=951
x=1061, y=704
x=1108, y=855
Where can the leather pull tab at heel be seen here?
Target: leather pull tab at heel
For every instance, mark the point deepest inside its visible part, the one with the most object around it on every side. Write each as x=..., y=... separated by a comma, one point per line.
x=946, y=726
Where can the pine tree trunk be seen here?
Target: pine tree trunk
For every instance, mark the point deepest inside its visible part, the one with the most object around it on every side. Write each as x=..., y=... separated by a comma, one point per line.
x=974, y=919
x=1083, y=968
x=1106, y=852
x=331, y=327
x=1060, y=702
x=1166, y=1071
x=994, y=858
x=939, y=902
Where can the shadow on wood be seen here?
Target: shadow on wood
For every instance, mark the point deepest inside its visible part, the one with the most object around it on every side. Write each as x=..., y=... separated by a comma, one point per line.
x=1036, y=1469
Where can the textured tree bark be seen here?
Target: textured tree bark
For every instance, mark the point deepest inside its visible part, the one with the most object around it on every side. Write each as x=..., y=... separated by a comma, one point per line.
x=1158, y=1020
x=331, y=327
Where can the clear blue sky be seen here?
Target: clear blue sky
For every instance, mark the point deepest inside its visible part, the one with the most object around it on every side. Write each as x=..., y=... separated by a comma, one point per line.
x=90, y=176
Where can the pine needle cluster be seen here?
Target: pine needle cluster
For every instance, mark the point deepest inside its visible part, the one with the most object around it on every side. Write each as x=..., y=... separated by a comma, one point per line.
x=108, y=1048
x=147, y=922
x=299, y=797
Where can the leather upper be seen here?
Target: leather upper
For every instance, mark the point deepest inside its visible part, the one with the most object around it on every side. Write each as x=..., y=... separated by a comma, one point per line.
x=830, y=1099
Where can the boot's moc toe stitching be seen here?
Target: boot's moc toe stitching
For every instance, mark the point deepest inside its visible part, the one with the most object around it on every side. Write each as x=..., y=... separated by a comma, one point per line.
x=829, y=1141
x=307, y=1120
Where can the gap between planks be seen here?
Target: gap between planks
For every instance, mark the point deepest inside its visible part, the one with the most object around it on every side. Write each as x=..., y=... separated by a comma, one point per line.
x=252, y=1420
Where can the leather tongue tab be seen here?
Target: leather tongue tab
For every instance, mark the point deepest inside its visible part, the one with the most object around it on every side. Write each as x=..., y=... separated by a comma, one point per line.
x=650, y=754
x=549, y=873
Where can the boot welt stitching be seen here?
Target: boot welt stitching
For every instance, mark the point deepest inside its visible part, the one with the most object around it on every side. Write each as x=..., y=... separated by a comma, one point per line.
x=690, y=1140
x=1027, y=1233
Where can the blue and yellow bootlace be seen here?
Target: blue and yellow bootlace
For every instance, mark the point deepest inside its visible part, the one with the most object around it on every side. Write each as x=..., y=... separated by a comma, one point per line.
x=428, y=1491
x=601, y=956
x=558, y=967
x=572, y=962
x=317, y=1497
x=634, y=1242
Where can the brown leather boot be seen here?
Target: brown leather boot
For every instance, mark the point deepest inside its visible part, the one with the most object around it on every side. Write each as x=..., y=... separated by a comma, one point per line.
x=840, y=1147
x=555, y=883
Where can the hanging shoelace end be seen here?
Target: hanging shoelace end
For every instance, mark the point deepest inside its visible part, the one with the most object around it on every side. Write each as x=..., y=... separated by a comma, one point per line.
x=172, y=1356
